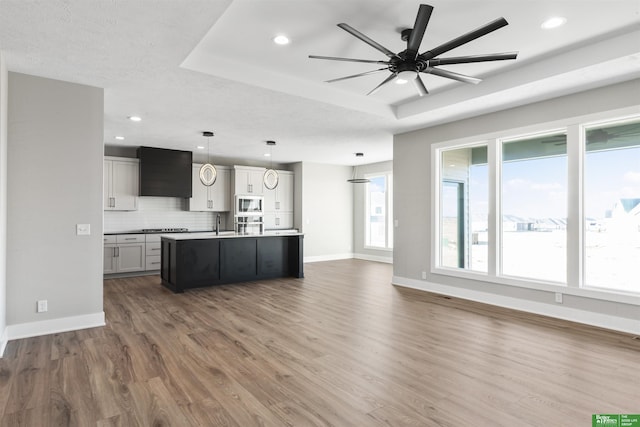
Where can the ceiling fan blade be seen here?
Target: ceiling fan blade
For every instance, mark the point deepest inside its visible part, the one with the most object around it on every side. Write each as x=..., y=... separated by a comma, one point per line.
x=334, y=58
x=465, y=38
x=356, y=75
x=387, y=80
x=367, y=40
x=473, y=58
x=417, y=33
x=422, y=89
x=451, y=75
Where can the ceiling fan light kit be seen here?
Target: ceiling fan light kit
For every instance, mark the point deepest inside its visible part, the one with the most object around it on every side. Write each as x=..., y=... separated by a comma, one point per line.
x=408, y=64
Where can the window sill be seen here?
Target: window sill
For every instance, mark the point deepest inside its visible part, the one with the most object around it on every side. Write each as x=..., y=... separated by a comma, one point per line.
x=593, y=293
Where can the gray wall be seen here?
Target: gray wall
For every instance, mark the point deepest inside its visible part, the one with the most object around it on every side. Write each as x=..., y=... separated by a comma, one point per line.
x=327, y=210
x=412, y=192
x=3, y=203
x=55, y=156
x=359, y=202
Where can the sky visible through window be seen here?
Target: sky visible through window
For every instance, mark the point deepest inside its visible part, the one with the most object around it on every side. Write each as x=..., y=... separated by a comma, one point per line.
x=617, y=176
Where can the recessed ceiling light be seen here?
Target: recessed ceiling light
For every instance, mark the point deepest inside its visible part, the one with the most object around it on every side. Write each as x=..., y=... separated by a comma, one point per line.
x=553, y=22
x=135, y=118
x=281, y=39
x=119, y=138
x=200, y=147
x=267, y=154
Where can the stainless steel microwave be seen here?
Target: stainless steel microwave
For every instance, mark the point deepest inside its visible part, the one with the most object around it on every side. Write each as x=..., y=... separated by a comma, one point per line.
x=249, y=205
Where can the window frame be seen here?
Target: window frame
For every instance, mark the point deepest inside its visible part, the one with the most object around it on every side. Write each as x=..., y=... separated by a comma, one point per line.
x=388, y=176
x=575, y=130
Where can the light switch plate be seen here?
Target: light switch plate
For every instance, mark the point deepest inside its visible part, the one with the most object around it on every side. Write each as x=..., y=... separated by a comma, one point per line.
x=83, y=229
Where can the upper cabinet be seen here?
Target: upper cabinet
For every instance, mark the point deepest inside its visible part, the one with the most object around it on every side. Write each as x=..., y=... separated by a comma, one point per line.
x=216, y=198
x=120, y=184
x=248, y=180
x=281, y=197
x=279, y=203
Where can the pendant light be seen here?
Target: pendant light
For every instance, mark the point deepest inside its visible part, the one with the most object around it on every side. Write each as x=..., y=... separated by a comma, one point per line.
x=208, y=172
x=270, y=178
x=354, y=179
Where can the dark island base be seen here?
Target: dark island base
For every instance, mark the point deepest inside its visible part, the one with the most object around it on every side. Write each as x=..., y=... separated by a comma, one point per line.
x=195, y=263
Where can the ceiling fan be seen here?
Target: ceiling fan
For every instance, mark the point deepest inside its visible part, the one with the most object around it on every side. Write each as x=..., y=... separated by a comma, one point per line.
x=408, y=64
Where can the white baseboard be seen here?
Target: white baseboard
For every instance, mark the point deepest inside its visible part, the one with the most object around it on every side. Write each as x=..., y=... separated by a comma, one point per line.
x=387, y=259
x=3, y=342
x=558, y=311
x=332, y=257
x=52, y=326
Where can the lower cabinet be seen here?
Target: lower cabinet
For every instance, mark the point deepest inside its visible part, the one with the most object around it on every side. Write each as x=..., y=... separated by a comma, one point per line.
x=124, y=253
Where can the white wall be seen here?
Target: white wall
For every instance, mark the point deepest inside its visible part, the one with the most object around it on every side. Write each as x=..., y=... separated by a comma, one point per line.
x=55, y=156
x=359, y=205
x=3, y=204
x=412, y=202
x=326, y=203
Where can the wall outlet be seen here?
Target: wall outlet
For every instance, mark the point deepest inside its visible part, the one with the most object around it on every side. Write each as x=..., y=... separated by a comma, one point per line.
x=424, y=275
x=41, y=306
x=83, y=229
x=559, y=297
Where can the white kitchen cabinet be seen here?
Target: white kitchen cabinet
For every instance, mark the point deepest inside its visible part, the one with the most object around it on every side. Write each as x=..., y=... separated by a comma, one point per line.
x=216, y=198
x=280, y=199
x=248, y=180
x=126, y=255
x=279, y=203
x=120, y=184
x=278, y=220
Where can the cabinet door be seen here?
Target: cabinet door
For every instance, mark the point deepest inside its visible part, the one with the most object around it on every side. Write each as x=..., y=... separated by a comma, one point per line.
x=109, y=265
x=106, y=192
x=256, y=181
x=284, y=202
x=199, y=200
x=220, y=191
x=284, y=220
x=269, y=221
x=131, y=257
x=124, y=185
x=242, y=184
x=270, y=199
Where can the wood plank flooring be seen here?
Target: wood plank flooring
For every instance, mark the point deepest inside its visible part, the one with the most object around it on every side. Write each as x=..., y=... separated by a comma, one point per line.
x=341, y=347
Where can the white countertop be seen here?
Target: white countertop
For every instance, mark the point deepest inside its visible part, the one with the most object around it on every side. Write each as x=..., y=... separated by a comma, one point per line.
x=228, y=234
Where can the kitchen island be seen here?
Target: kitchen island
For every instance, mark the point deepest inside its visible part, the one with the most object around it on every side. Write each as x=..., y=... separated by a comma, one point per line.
x=204, y=259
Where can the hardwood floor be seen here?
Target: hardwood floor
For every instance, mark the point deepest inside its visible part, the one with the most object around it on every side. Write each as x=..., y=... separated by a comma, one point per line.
x=341, y=347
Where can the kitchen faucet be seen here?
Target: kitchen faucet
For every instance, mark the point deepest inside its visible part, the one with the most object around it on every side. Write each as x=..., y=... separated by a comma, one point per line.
x=217, y=224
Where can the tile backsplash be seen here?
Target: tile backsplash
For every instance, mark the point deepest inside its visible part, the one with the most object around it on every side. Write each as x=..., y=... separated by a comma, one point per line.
x=160, y=212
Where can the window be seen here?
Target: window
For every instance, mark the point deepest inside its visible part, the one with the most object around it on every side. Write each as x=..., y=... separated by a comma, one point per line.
x=559, y=207
x=464, y=208
x=379, y=214
x=612, y=206
x=534, y=208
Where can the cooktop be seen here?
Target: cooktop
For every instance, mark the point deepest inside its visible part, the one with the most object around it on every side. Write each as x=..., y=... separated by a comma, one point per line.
x=165, y=230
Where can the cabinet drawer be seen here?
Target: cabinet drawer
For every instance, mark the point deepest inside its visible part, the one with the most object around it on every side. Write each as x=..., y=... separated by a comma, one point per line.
x=152, y=238
x=153, y=262
x=110, y=239
x=153, y=248
x=130, y=238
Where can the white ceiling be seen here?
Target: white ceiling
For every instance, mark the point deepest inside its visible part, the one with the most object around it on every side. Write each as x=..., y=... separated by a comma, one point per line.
x=189, y=66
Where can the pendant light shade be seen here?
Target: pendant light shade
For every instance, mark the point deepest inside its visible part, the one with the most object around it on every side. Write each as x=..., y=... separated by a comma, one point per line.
x=270, y=178
x=354, y=177
x=208, y=172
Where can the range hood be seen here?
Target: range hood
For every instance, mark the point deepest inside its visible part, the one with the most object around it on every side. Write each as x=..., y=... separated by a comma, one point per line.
x=165, y=172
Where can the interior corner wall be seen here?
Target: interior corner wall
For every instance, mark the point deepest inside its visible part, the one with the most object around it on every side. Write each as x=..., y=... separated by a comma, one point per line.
x=327, y=211
x=412, y=206
x=55, y=152
x=359, y=222
x=3, y=204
